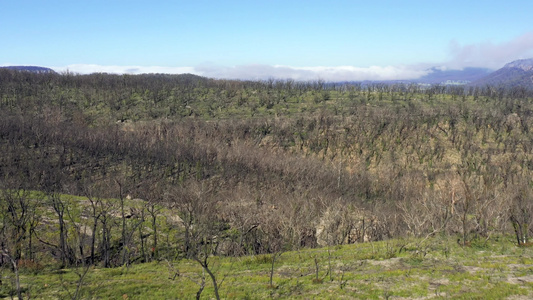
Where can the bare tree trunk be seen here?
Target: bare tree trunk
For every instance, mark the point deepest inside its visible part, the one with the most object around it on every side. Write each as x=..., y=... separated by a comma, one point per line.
x=59, y=208
x=106, y=241
x=16, y=270
x=81, y=277
x=153, y=213
x=275, y=257
x=95, y=217
x=205, y=265
x=93, y=240
x=201, y=288
x=124, y=225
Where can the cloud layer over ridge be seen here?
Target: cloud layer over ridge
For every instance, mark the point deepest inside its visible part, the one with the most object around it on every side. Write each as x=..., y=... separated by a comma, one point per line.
x=261, y=72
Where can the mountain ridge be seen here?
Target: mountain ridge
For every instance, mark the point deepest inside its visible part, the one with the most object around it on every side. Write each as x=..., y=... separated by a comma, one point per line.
x=515, y=73
x=524, y=64
x=33, y=69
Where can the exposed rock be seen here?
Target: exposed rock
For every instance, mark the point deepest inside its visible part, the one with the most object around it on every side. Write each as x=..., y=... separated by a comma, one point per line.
x=524, y=64
x=174, y=220
x=86, y=230
x=346, y=225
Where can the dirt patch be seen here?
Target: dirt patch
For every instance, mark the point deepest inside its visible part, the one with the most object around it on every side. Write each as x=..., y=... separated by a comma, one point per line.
x=519, y=297
x=472, y=269
x=385, y=263
x=520, y=280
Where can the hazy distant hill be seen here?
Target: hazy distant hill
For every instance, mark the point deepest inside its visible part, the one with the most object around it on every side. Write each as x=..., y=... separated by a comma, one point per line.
x=33, y=69
x=518, y=72
x=438, y=76
x=453, y=76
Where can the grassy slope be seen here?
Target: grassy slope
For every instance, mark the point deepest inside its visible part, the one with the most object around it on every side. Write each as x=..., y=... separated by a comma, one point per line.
x=434, y=268
x=437, y=268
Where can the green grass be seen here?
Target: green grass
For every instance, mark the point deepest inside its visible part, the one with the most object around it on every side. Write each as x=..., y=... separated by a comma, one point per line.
x=365, y=271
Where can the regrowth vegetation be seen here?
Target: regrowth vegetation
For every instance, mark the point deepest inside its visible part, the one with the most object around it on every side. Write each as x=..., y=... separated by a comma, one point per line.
x=106, y=170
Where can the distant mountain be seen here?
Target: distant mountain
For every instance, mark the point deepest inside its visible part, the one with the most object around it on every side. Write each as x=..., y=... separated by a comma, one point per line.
x=518, y=72
x=438, y=76
x=33, y=69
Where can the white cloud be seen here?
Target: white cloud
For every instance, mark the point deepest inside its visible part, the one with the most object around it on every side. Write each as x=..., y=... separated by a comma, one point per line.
x=490, y=55
x=261, y=72
x=370, y=73
x=341, y=73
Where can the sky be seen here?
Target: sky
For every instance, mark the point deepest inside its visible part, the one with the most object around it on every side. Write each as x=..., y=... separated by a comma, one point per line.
x=332, y=40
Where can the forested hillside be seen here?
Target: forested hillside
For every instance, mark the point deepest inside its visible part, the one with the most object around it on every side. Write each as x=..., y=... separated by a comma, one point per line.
x=119, y=169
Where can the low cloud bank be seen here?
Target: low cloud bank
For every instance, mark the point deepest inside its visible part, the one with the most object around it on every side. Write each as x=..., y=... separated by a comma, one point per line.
x=261, y=72
x=341, y=73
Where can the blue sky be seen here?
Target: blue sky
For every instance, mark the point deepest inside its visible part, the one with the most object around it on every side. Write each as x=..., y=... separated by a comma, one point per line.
x=332, y=40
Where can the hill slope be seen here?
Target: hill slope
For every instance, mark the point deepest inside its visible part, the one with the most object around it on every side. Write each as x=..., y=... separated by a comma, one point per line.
x=33, y=69
x=438, y=76
x=403, y=269
x=518, y=72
